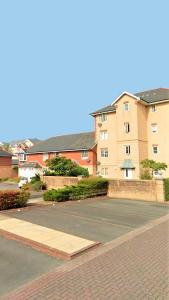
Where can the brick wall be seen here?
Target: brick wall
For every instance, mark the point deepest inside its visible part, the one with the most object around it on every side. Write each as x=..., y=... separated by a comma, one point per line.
x=6, y=170
x=54, y=182
x=148, y=190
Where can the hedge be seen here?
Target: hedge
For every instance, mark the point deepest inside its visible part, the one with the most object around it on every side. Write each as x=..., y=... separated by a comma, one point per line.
x=13, y=199
x=86, y=188
x=166, y=188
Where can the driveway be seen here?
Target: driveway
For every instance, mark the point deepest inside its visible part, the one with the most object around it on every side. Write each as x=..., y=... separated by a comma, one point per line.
x=8, y=186
x=98, y=220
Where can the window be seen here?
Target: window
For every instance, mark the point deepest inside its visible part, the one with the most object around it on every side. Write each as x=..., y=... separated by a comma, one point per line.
x=126, y=127
x=154, y=127
x=127, y=149
x=104, y=171
x=104, y=152
x=84, y=154
x=103, y=117
x=126, y=106
x=45, y=156
x=153, y=108
x=22, y=157
x=103, y=135
x=155, y=149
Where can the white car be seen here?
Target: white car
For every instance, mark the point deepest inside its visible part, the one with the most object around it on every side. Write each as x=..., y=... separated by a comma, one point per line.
x=22, y=181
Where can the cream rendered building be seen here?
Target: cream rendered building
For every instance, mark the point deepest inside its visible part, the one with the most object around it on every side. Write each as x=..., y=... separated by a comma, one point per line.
x=134, y=127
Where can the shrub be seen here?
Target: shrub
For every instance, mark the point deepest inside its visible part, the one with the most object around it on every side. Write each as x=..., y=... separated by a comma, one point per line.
x=37, y=184
x=86, y=188
x=145, y=175
x=166, y=188
x=61, y=166
x=13, y=199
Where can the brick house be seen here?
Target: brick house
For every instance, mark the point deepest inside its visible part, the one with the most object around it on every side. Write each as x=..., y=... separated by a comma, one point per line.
x=80, y=148
x=5, y=164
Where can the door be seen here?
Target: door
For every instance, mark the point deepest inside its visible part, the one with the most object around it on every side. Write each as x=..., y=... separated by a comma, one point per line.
x=128, y=173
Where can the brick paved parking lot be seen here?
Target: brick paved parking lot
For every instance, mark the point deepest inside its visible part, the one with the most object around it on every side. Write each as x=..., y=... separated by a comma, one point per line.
x=136, y=269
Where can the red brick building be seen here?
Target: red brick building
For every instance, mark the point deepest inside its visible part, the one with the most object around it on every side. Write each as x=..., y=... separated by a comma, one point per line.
x=5, y=164
x=80, y=148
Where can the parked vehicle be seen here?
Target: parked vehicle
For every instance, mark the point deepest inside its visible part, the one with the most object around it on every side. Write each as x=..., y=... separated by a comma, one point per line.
x=22, y=181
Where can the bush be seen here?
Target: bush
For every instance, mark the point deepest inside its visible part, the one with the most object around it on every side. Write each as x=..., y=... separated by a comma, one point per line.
x=37, y=184
x=86, y=188
x=145, y=175
x=61, y=166
x=13, y=199
x=166, y=188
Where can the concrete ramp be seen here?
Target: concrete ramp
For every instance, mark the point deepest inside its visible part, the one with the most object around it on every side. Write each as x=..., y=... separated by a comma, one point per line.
x=50, y=241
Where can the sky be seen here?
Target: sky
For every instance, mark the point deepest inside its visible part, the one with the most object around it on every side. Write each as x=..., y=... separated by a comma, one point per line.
x=60, y=60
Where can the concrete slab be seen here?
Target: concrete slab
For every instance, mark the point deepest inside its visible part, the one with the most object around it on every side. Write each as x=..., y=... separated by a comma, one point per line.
x=62, y=243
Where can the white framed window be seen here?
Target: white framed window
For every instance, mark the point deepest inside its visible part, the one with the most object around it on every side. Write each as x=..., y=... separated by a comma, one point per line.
x=155, y=149
x=103, y=117
x=127, y=149
x=154, y=127
x=84, y=154
x=104, y=171
x=104, y=152
x=126, y=127
x=103, y=135
x=45, y=156
x=126, y=106
x=153, y=108
x=22, y=157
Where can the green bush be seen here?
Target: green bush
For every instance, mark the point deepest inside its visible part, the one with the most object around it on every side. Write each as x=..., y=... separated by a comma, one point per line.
x=86, y=188
x=61, y=166
x=13, y=199
x=37, y=184
x=166, y=188
x=145, y=175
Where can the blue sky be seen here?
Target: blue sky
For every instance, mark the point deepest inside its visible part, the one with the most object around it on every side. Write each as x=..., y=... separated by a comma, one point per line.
x=62, y=59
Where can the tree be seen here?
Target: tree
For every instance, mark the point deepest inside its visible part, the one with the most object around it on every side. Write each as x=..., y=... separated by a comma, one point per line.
x=150, y=166
x=61, y=166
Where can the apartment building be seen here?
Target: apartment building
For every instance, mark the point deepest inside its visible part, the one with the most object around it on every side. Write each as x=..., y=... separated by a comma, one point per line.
x=134, y=127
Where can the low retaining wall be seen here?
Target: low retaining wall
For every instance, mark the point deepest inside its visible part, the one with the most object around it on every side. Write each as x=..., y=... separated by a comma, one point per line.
x=54, y=182
x=150, y=190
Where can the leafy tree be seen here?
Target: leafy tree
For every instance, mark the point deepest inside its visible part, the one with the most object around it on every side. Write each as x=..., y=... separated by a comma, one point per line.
x=150, y=166
x=61, y=166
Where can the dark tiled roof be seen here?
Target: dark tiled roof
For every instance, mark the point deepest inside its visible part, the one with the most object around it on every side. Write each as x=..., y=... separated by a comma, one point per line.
x=72, y=142
x=109, y=108
x=152, y=96
x=5, y=153
x=30, y=165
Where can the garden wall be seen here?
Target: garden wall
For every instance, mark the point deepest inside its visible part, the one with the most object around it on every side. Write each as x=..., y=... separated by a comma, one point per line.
x=149, y=190
x=54, y=182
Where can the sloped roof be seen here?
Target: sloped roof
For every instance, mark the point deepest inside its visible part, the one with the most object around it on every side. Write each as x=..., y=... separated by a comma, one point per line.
x=71, y=142
x=108, y=108
x=5, y=153
x=152, y=96
x=149, y=97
